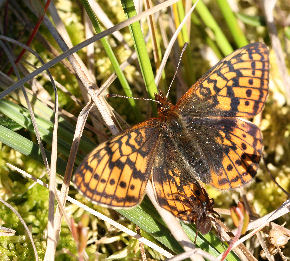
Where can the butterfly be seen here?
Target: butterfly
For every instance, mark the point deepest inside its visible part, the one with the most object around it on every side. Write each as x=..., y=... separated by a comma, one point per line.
x=201, y=138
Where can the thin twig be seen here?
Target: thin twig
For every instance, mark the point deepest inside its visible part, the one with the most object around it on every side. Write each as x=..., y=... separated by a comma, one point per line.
x=265, y=220
x=259, y=233
x=152, y=29
x=83, y=44
x=51, y=242
x=141, y=246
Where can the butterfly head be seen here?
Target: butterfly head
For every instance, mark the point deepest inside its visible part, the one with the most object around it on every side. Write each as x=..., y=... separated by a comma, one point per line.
x=164, y=106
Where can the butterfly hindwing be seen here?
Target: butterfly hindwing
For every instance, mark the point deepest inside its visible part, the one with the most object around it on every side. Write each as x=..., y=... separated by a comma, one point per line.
x=224, y=152
x=242, y=149
x=175, y=186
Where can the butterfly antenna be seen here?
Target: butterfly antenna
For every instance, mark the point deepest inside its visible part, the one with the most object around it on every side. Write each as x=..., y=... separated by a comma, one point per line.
x=178, y=64
x=127, y=97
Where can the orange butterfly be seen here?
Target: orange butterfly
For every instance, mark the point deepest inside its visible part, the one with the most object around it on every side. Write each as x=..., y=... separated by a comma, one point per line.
x=201, y=138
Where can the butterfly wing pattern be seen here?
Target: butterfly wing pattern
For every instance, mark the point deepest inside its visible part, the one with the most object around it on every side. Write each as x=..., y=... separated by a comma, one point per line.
x=201, y=138
x=237, y=86
x=115, y=174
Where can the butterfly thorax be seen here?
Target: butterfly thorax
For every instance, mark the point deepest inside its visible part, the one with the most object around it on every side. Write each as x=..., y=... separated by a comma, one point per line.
x=165, y=107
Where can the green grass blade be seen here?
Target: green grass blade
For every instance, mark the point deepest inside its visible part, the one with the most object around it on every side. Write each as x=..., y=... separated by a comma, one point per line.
x=22, y=117
x=209, y=21
x=112, y=57
x=208, y=242
x=26, y=147
x=140, y=47
x=232, y=23
x=203, y=35
x=252, y=20
x=181, y=17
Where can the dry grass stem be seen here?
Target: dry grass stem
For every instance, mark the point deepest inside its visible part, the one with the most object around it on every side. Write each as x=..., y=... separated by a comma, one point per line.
x=69, y=167
x=269, y=6
x=170, y=45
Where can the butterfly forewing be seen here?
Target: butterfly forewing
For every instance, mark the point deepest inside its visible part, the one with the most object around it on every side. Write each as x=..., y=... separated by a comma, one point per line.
x=237, y=86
